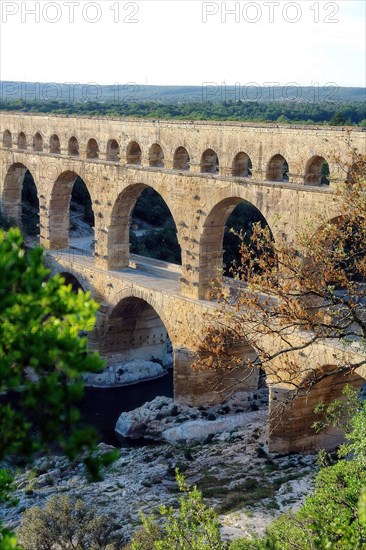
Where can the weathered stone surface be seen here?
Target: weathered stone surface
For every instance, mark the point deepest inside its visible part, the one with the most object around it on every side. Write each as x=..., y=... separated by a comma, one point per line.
x=202, y=172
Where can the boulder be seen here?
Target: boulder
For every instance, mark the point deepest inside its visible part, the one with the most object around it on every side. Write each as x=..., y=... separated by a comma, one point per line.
x=199, y=430
x=145, y=421
x=130, y=373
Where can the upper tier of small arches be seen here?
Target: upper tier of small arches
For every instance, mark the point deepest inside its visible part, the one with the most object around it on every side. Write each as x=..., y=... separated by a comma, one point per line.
x=315, y=172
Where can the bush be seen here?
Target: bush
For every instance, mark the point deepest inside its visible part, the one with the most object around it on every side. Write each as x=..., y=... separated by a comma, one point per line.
x=193, y=527
x=65, y=524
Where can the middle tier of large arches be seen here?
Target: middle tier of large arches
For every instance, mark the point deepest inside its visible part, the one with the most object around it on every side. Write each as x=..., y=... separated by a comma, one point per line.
x=191, y=200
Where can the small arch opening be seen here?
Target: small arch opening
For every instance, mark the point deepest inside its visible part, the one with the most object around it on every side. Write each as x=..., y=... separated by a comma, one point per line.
x=22, y=141
x=181, y=159
x=317, y=171
x=37, y=142
x=156, y=156
x=7, y=139
x=210, y=162
x=278, y=169
x=113, y=151
x=73, y=147
x=92, y=149
x=55, y=146
x=242, y=166
x=134, y=153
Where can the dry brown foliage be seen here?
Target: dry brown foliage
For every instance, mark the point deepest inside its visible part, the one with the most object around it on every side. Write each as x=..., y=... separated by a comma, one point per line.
x=288, y=300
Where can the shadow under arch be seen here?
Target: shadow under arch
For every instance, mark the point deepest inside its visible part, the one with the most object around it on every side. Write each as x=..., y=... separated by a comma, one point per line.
x=120, y=224
x=70, y=279
x=212, y=238
x=20, y=201
x=59, y=208
x=136, y=328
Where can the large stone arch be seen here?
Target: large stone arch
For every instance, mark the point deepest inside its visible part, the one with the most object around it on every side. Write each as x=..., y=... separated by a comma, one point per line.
x=119, y=228
x=12, y=192
x=217, y=210
x=59, y=209
x=135, y=327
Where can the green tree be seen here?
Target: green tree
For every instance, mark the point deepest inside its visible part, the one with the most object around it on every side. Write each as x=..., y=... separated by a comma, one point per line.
x=42, y=357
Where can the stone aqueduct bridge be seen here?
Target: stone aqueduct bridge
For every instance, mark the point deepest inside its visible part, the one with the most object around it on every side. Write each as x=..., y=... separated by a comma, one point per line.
x=202, y=171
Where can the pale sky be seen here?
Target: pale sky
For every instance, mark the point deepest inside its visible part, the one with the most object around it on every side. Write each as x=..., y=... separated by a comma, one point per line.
x=184, y=42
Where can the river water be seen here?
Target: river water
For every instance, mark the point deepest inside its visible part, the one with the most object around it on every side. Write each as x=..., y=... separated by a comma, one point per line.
x=101, y=407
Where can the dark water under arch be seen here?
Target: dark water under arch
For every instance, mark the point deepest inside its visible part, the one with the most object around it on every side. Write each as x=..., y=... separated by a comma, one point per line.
x=101, y=407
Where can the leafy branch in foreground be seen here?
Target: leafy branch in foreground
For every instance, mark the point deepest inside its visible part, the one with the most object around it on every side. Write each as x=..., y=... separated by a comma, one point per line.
x=42, y=358
x=41, y=355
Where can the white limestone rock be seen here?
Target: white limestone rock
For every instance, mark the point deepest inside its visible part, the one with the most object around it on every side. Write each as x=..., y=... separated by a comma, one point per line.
x=164, y=419
x=130, y=373
x=145, y=421
x=199, y=430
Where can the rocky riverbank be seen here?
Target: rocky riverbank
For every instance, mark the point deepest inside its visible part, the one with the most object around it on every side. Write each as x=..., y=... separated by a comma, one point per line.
x=247, y=486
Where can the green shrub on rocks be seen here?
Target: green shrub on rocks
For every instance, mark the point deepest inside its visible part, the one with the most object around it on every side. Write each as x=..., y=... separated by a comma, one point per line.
x=66, y=524
x=193, y=527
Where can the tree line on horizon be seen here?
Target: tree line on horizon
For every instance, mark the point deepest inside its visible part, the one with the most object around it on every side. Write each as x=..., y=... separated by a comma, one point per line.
x=300, y=112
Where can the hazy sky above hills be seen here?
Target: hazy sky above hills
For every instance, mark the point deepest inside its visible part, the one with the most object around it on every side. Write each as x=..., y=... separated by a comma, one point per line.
x=184, y=42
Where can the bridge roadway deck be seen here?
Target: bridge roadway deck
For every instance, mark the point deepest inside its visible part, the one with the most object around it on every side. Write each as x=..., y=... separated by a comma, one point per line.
x=147, y=272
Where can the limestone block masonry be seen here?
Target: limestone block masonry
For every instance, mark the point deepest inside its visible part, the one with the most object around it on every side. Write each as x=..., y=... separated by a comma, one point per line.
x=202, y=170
